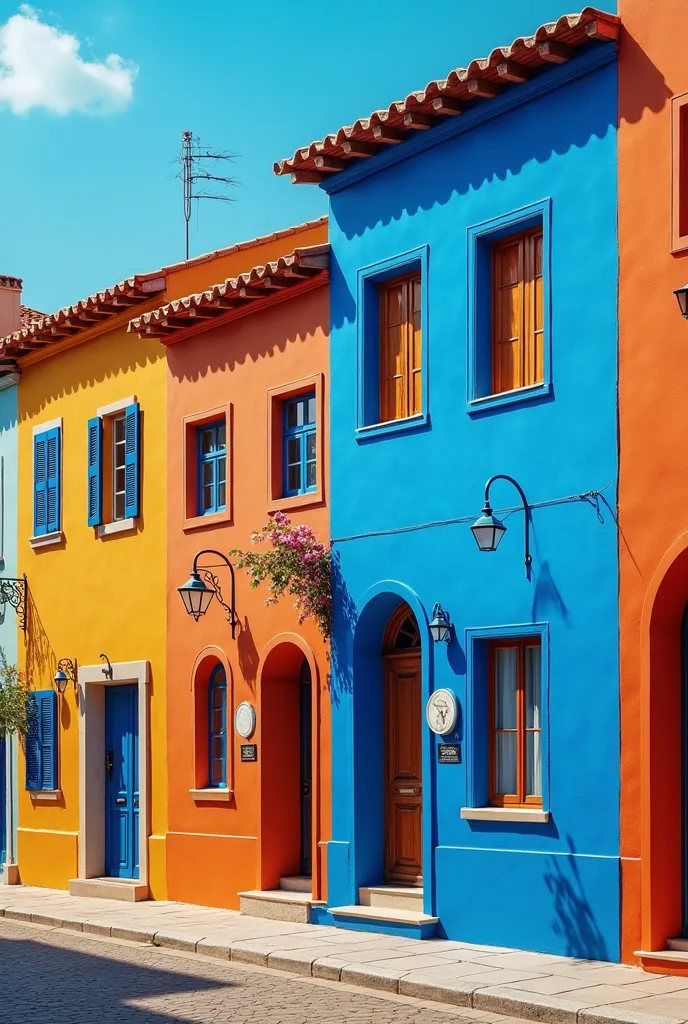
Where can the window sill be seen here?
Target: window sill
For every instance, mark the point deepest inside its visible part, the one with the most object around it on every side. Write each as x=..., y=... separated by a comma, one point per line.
x=295, y=501
x=119, y=526
x=47, y=540
x=534, y=814
x=199, y=522
x=213, y=794
x=391, y=427
x=478, y=405
x=46, y=795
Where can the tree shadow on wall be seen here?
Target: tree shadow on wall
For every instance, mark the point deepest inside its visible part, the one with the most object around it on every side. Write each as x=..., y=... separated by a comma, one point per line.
x=344, y=619
x=41, y=660
x=574, y=919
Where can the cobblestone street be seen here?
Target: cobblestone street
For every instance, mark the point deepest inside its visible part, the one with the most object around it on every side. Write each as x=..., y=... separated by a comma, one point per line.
x=58, y=977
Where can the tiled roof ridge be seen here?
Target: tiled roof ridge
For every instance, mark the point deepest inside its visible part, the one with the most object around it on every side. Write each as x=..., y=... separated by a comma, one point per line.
x=303, y=264
x=553, y=42
x=10, y=281
x=29, y=315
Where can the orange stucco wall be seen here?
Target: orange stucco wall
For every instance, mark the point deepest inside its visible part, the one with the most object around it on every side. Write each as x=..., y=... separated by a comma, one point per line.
x=653, y=483
x=216, y=849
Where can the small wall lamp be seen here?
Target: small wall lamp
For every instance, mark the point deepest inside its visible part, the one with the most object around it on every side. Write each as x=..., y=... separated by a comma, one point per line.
x=488, y=530
x=66, y=671
x=107, y=672
x=682, y=299
x=440, y=627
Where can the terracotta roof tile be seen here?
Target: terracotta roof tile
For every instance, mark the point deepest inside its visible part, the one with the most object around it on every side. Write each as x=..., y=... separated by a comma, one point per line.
x=29, y=316
x=553, y=43
x=252, y=289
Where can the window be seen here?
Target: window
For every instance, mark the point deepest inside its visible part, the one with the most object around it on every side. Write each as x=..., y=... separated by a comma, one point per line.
x=46, y=482
x=679, y=173
x=400, y=348
x=515, y=722
x=212, y=467
x=40, y=742
x=299, y=454
x=517, y=312
x=217, y=728
x=113, y=461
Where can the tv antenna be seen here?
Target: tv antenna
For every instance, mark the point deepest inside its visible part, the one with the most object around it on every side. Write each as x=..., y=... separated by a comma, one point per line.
x=197, y=166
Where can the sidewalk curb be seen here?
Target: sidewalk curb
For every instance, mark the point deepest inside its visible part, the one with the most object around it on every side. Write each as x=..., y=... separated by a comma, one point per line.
x=494, y=999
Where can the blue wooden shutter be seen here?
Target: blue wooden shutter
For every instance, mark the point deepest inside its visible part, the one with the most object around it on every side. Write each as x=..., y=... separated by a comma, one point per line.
x=131, y=461
x=47, y=722
x=32, y=747
x=40, y=485
x=53, y=479
x=95, y=476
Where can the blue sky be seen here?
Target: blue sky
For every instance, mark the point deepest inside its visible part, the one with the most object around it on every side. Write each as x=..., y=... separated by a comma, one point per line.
x=89, y=199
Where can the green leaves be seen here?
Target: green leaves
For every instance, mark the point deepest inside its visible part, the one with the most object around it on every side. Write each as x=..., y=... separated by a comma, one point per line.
x=13, y=693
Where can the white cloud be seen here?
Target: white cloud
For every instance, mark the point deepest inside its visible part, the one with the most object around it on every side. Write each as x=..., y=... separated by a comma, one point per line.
x=40, y=67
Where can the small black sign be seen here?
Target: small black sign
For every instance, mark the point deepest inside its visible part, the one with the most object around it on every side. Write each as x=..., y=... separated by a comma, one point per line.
x=249, y=751
x=449, y=753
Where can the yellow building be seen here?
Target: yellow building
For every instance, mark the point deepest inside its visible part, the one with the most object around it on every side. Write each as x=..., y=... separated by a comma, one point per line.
x=92, y=536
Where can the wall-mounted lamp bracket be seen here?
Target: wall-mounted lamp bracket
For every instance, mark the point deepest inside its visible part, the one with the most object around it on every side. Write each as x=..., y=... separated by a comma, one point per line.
x=13, y=591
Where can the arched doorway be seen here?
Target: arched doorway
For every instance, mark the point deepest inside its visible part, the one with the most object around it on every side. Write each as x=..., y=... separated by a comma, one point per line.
x=403, y=782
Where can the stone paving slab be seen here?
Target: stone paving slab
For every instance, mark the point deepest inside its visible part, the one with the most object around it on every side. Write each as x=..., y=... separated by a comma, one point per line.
x=488, y=981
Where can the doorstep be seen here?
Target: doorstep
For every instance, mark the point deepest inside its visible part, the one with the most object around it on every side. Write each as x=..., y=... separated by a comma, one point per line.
x=127, y=890
x=391, y=920
x=278, y=905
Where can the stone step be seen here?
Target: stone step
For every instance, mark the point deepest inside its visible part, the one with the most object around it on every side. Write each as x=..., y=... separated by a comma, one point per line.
x=392, y=897
x=679, y=945
x=389, y=914
x=296, y=883
x=276, y=905
x=126, y=889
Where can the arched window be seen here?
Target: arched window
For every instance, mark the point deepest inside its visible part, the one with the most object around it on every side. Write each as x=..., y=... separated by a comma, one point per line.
x=402, y=633
x=217, y=727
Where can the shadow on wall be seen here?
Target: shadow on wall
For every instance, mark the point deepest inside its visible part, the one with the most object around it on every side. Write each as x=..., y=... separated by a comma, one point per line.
x=41, y=660
x=248, y=653
x=341, y=668
x=574, y=921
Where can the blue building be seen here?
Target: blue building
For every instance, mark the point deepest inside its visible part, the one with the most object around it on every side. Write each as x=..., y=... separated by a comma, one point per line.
x=474, y=333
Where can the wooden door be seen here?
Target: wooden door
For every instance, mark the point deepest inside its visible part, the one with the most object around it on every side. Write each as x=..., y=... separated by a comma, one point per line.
x=403, y=770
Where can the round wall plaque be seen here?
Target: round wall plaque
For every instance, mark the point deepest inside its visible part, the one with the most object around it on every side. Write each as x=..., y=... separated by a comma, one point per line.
x=245, y=720
x=441, y=712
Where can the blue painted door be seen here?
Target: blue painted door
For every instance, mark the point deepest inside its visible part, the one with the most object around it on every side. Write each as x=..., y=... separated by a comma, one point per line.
x=3, y=801
x=121, y=782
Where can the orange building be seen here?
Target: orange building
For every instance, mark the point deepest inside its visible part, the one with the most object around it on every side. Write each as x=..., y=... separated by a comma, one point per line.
x=247, y=703
x=653, y=483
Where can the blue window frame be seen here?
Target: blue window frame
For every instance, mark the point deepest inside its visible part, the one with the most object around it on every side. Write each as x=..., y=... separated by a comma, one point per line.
x=299, y=446
x=40, y=741
x=46, y=482
x=212, y=467
x=217, y=728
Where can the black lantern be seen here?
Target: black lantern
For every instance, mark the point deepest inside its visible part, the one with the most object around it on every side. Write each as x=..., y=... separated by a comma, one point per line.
x=682, y=298
x=488, y=530
x=60, y=679
x=440, y=627
x=66, y=671
x=197, y=595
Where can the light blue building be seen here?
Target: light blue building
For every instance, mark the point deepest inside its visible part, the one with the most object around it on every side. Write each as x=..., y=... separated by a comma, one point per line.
x=474, y=333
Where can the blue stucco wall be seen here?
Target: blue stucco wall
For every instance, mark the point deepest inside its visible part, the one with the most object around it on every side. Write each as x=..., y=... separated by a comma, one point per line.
x=8, y=567
x=554, y=886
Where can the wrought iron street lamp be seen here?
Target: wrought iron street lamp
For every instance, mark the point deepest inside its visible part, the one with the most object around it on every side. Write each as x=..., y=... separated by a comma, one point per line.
x=682, y=298
x=66, y=671
x=197, y=595
x=488, y=530
x=440, y=627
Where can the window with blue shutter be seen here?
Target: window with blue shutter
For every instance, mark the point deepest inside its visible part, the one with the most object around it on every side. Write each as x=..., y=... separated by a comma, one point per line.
x=132, y=469
x=217, y=727
x=95, y=474
x=299, y=451
x=40, y=741
x=212, y=467
x=46, y=477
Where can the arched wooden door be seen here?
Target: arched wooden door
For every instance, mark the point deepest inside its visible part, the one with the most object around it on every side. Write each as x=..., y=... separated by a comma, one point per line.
x=403, y=743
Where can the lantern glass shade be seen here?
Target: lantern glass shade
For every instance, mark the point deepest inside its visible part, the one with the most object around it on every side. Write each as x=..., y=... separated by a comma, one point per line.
x=682, y=298
x=196, y=596
x=60, y=681
x=440, y=627
x=488, y=531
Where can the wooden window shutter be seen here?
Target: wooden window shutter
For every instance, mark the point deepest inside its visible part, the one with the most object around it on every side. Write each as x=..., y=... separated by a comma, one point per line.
x=40, y=485
x=47, y=722
x=53, y=479
x=132, y=469
x=95, y=483
x=32, y=747
x=400, y=348
x=517, y=312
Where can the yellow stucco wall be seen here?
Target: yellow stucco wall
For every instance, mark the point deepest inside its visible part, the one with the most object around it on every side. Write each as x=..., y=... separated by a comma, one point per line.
x=89, y=595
